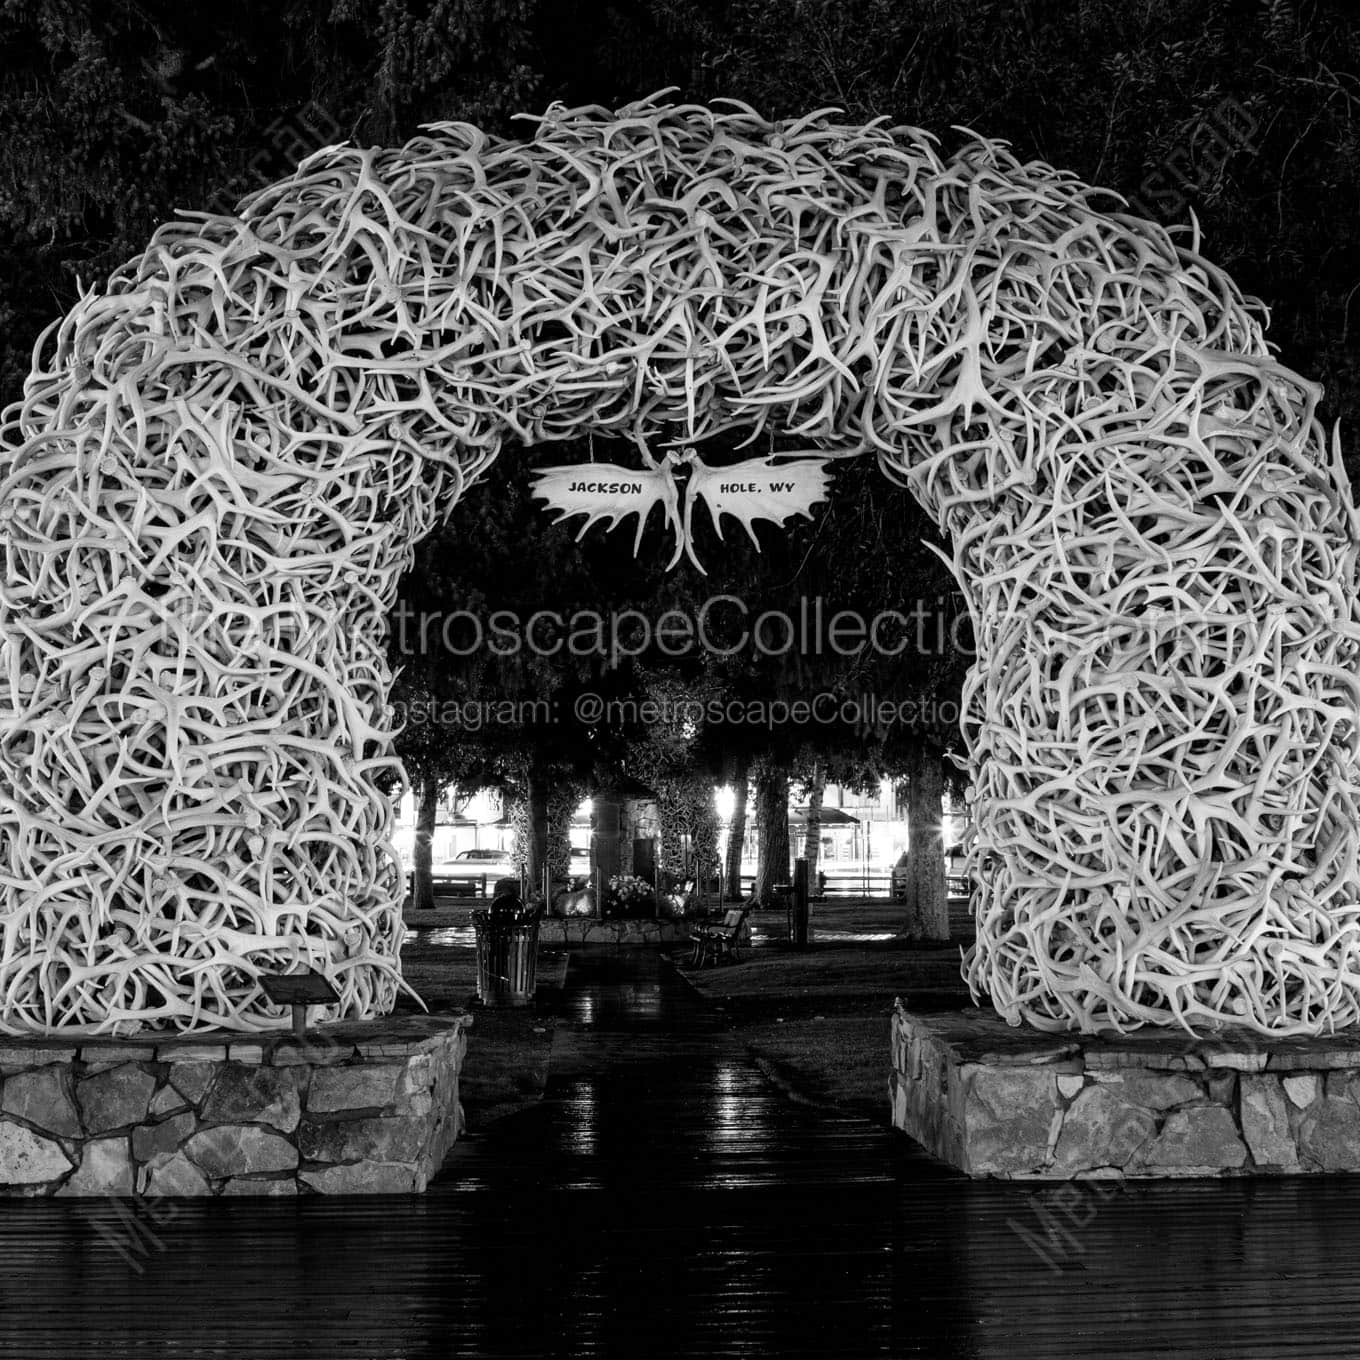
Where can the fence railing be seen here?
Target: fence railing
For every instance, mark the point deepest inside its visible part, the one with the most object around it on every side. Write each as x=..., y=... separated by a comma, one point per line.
x=451, y=885
x=863, y=883
x=849, y=883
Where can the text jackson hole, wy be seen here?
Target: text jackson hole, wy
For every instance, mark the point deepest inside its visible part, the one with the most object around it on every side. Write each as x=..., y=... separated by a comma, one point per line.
x=636, y=488
x=724, y=625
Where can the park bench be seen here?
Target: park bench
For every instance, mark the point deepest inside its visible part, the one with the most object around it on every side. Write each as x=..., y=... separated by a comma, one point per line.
x=719, y=941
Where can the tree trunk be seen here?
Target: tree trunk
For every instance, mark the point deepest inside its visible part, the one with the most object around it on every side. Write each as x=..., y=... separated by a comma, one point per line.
x=427, y=809
x=927, y=906
x=536, y=849
x=628, y=820
x=705, y=842
x=772, y=826
x=604, y=842
x=670, y=810
x=736, y=832
x=812, y=836
x=561, y=805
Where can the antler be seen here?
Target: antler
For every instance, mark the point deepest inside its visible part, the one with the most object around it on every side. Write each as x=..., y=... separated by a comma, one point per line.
x=222, y=461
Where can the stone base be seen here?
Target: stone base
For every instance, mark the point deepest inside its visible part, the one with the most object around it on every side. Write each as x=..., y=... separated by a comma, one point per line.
x=569, y=930
x=994, y=1100
x=367, y=1107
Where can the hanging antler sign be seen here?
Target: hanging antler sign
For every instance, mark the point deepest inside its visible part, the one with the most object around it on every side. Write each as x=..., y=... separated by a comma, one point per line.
x=773, y=489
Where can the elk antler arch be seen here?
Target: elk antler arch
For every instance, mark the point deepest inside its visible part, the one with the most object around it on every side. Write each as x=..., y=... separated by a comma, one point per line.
x=222, y=462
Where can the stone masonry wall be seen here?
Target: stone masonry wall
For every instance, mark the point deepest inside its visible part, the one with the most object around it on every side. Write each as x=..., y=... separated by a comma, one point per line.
x=370, y=1107
x=559, y=930
x=1017, y=1103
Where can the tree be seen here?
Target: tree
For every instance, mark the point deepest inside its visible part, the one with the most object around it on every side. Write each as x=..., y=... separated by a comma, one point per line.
x=927, y=905
x=736, y=831
x=435, y=755
x=117, y=116
x=427, y=791
x=772, y=829
x=812, y=831
x=543, y=797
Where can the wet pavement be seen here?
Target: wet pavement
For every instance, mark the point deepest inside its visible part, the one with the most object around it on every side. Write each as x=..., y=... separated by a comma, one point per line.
x=664, y=1200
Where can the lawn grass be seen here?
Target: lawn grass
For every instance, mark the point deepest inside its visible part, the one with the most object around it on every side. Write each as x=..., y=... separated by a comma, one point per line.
x=817, y=1020
x=506, y=1067
x=840, y=1061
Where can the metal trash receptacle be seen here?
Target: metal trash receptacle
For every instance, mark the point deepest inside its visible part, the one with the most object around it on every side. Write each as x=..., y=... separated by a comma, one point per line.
x=507, y=960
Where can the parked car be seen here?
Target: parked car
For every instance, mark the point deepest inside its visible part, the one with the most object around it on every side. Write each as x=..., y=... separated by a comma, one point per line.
x=493, y=863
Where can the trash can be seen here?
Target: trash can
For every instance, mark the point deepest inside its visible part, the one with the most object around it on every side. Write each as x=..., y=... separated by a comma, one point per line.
x=507, y=957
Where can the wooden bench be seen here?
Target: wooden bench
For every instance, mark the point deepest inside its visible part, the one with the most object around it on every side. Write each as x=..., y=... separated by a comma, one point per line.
x=717, y=942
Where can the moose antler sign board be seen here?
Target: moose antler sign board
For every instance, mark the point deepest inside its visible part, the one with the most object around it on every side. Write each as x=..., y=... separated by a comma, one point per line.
x=756, y=489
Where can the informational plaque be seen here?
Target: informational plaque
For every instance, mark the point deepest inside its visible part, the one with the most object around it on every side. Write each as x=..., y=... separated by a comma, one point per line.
x=299, y=990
